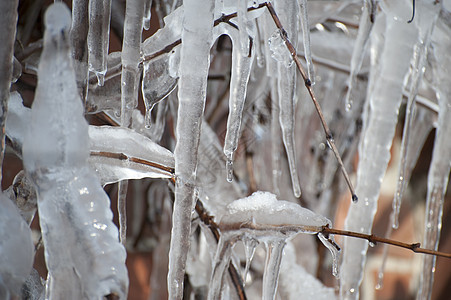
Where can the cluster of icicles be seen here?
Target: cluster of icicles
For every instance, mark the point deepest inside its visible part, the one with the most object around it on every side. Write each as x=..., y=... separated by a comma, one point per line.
x=354, y=85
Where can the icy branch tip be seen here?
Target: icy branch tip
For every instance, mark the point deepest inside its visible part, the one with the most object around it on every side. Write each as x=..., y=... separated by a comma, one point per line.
x=58, y=18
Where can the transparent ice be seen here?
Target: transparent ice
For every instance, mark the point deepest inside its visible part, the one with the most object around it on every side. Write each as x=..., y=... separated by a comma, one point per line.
x=204, y=105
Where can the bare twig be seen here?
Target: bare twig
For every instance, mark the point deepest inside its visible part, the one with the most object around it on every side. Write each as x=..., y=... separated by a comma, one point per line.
x=375, y=239
x=308, y=85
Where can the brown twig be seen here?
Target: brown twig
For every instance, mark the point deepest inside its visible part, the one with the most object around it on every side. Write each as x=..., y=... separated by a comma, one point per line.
x=122, y=156
x=308, y=85
x=415, y=247
x=222, y=19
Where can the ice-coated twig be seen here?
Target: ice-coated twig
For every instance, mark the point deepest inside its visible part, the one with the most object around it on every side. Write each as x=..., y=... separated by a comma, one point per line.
x=8, y=36
x=308, y=85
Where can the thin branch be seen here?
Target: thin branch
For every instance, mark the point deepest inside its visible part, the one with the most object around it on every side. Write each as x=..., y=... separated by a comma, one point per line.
x=122, y=156
x=222, y=19
x=308, y=85
x=375, y=239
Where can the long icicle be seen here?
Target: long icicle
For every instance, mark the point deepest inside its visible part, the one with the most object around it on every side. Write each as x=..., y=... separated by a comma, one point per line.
x=274, y=253
x=439, y=169
x=286, y=84
x=374, y=148
x=194, y=65
x=131, y=56
x=426, y=21
x=308, y=85
x=241, y=69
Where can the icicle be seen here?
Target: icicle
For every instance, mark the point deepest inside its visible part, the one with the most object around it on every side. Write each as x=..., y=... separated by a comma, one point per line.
x=79, y=46
x=425, y=21
x=439, y=169
x=250, y=245
x=147, y=14
x=72, y=205
x=16, y=248
x=243, y=25
x=194, y=65
x=131, y=56
x=360, y=47
x=122, y=210
x=380, y=274
x=306, y=40
x=274, y=253
x=7, y=36
x=275, y=140
x=221, y=262
x=241, y=69
x=157, y=83
x=333, y=251
x=158, y=126
x=286, y=84
x=412, y=144
x=99, y=37
x=384, y=100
